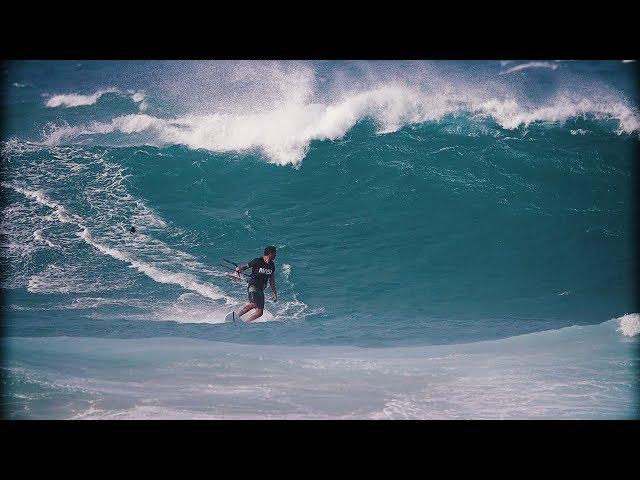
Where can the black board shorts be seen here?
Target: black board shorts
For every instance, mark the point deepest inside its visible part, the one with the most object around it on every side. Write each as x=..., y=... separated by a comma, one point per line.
x=256, y=296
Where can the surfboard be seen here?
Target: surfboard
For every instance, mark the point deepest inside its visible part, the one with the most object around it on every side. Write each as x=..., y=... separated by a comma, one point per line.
x=232, y=317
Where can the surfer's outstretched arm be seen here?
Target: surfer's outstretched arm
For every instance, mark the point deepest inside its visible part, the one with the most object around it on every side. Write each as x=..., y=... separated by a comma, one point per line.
x=235, y=277
x=242, y=268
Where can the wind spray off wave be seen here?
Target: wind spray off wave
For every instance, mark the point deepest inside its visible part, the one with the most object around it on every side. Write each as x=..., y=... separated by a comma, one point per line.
x=279, y=110
x=284, y=135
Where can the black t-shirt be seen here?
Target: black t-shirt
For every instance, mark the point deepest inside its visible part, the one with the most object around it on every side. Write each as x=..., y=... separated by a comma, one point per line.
x=260, y=272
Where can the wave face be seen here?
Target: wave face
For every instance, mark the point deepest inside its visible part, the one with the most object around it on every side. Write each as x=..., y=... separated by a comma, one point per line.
x=412, y=203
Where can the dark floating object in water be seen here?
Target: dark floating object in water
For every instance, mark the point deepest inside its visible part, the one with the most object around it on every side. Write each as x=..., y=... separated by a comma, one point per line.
x=132, y=230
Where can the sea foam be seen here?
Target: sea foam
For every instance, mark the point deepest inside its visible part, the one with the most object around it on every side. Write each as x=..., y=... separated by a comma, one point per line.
x=185, y=280
x=629, y=324
x=283, y=134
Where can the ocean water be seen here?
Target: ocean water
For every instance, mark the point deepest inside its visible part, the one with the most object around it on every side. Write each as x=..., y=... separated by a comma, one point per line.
x=455, y=239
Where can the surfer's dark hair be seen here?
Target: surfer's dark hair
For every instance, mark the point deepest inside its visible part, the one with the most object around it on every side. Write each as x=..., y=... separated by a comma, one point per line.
x=270, y=249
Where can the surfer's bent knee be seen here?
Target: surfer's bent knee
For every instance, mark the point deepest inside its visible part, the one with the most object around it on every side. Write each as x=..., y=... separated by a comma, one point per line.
x=258, y=312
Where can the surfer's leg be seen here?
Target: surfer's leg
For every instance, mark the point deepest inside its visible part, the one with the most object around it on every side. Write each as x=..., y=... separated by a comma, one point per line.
x=254, y=315
x=246, y=308
x=257, y=299
x=249, y=306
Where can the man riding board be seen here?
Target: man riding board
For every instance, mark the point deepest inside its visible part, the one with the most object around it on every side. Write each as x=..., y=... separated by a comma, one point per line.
x=262, y=270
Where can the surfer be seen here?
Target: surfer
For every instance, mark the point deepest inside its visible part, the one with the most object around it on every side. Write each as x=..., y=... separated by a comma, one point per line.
x=262, y=270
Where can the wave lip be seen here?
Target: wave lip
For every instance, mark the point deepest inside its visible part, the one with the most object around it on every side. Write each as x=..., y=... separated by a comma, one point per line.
x=69, y=100
x=530, y=65
x=284, y=134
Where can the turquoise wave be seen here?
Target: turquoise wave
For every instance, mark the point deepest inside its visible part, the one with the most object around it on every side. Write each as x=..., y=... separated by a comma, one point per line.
x=445, y=232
